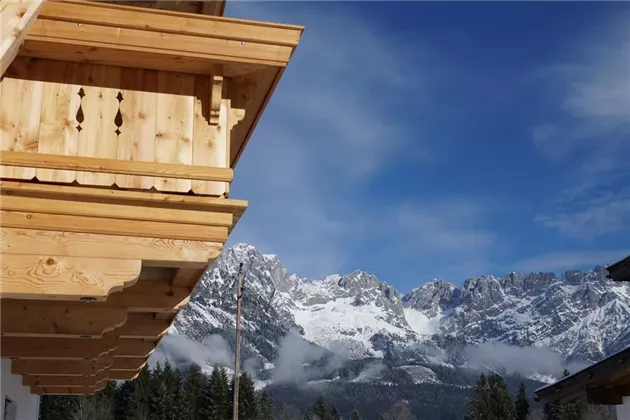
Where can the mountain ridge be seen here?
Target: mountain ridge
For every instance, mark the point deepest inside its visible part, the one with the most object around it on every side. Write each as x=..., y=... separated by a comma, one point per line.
x=579, y=315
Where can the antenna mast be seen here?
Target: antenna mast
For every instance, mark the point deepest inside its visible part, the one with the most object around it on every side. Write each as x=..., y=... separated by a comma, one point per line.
x=239, y=297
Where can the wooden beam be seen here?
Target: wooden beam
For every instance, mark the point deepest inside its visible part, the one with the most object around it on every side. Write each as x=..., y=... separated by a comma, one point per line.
x=17, y=19
x=149, y=296
x=128, y=364
x=64, y=278
x=143, y=325
x=61, y=367
x=173, y=22
x=134, y=348
x=115, y=166
x=57, y=348
x=108, y=226
x=188, y=277
x=113, y=211
x=64, y=381
x=27, y=318
x=165, y=252
x=88, y=390
x=123, y=375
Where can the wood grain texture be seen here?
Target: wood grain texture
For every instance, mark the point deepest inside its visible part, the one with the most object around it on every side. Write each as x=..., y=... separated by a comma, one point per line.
x=113, y=166
x=143, y=325
x=114, y=211
x=57, y=348
x=130, y=364
x=58, y=132
x=19, y=121
x=64, y=278
x=210, y=140
x=134, y=348
x=61, y=319
x=166, y=252
x=61, y=367
x=16, y=19
x=103, y=195
x=97, y=137
x=138, y=108
x=109, y=226
x=65, y=381
x=175, y=121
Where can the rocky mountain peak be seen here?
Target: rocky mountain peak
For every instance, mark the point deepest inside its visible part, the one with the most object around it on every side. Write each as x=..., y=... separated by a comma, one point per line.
x=580, y=313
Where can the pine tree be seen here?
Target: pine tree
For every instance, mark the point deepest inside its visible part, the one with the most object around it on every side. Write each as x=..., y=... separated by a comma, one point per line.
x=479, y=408
x=491, y=400
x=265, y=406
x=216, y=396
x=247, y=403
x=355, y=415
x=158, y=394
x=502, y=406
x=522, y=404
x=138, y=408
x=334, y=414
x=319, y=410
x=192, y=399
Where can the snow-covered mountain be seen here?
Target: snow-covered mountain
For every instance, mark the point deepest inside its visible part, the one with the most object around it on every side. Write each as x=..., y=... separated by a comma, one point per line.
x=581, y=315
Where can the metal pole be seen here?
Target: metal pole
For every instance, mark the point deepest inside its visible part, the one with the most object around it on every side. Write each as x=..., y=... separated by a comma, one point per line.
x=239, y=296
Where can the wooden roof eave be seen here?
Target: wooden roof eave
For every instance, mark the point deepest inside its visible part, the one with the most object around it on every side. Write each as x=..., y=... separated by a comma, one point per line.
x=156, y=39
x=620, y=270
x=604, y=382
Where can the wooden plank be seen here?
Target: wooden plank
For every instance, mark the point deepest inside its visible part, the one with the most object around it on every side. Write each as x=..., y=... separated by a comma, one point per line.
x=111, y=34
x=138, y=108
x=60, y=367
x=64, y=278
x=113, y=166
x=109, y=226
x=174, y=22
x=86, y=390
x=134, y=348
x=58, y=132
x=113, y=211
x=150, y=296
x=125, y=56
x=103, y=195
x=210, y=141
x=17, y=19
x=57, y=348
x=142, y=325
x=64, y=381
x=123, y=375
x=41, y=242
x=19, y=122
x=251, y=92
x=22, y=318
x=98, y=136
x=188, y=277
x=174, y=132
x=130, y=364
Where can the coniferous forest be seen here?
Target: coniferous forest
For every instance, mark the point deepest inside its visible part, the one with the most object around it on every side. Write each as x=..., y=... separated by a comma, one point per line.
x=168, y=393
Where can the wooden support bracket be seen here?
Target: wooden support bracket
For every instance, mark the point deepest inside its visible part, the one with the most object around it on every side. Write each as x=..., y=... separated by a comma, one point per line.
x=26, y=318
x=65, y=278
x=216, y=95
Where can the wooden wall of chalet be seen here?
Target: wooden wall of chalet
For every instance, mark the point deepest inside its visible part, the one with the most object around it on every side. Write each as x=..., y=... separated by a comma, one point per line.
x=95, y=110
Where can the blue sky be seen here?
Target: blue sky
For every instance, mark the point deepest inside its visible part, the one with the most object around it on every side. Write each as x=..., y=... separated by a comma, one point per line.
x=421, y=140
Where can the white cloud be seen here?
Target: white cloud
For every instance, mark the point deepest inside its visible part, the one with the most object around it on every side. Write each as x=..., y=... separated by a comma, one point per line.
x=587, y=213
x=327, y=132
x=565, y=260
x=591, y=120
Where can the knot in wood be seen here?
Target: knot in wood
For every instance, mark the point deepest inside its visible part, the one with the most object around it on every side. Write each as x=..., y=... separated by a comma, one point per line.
x=50, y=261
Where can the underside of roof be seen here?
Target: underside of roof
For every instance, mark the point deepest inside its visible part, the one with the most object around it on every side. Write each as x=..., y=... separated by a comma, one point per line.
x=620, y=271
x=605, y=382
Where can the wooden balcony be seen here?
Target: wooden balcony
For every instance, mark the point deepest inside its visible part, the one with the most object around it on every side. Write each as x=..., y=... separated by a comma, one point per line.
x=120, y=130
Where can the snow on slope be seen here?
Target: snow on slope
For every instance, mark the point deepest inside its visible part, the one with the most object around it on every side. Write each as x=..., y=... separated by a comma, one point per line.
x=580, y=314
